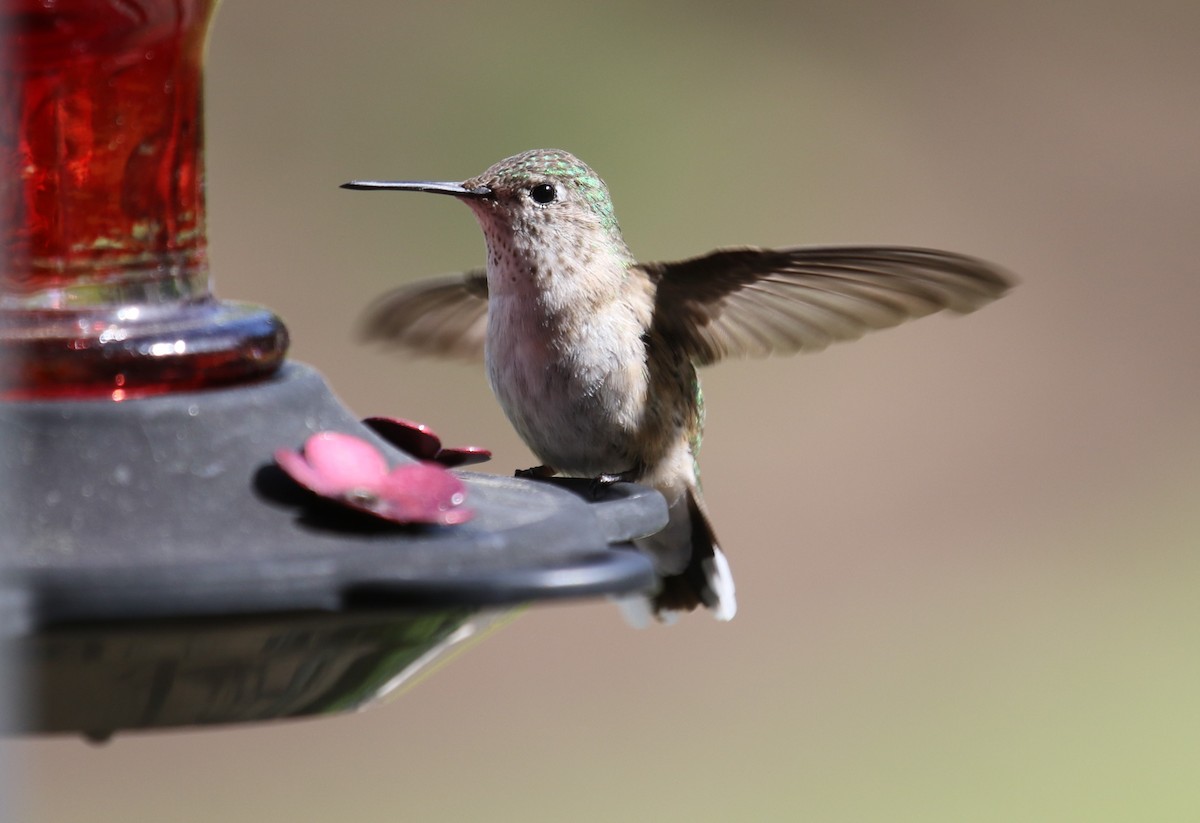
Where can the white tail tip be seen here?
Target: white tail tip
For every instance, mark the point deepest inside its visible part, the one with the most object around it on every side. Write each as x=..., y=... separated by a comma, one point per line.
x=720, y=584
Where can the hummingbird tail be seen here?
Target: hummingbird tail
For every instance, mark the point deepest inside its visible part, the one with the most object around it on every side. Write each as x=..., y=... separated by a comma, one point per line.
x=706, y=579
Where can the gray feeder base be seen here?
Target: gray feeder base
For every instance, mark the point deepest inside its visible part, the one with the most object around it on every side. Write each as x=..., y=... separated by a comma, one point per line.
x=150, y=547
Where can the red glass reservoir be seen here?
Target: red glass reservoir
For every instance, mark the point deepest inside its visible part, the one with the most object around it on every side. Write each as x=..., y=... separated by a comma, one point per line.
x=104, y=282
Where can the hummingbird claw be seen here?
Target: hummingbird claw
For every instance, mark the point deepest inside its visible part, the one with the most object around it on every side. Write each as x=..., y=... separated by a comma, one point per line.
x=536, y=473
x=601, y=483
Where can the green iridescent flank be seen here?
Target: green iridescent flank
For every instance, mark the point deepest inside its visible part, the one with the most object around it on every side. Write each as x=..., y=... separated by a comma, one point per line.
x=574, y=172
x=698, y=431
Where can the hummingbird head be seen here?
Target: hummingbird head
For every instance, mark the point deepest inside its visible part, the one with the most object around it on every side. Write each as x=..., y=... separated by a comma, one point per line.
x=534, y=203
x=545, y=191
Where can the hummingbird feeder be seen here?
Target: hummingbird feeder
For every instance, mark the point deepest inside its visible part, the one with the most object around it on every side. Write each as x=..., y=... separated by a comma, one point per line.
x=158, y=566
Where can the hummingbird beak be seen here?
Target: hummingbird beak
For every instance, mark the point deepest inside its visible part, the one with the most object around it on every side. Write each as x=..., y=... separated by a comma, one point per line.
x=454, y=189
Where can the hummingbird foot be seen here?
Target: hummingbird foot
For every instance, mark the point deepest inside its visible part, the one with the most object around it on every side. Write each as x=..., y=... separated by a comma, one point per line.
x=601, y=483
x=536, y=473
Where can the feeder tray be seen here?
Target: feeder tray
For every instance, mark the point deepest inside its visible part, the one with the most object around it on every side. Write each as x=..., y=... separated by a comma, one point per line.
x=155, y=537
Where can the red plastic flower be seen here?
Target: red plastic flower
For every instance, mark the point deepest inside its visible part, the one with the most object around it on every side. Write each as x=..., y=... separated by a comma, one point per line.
x=350, y=471
x=419, y=440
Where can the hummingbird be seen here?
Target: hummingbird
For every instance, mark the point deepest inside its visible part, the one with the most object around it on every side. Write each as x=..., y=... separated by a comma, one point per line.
x=592, y=355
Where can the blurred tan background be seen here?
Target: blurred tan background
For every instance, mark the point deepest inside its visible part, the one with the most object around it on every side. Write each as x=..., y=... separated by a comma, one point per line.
x=967, y=550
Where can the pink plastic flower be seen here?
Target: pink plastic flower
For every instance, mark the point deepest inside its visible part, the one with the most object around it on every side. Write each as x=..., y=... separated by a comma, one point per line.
x=352, y=472
x=419, y=440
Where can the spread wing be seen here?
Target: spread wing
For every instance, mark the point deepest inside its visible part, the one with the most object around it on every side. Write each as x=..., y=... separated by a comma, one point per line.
x=446, y=316
x=754, y=302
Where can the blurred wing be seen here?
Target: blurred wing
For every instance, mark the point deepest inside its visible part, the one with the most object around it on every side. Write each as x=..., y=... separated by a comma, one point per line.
x=445, y=316
x=754, y=302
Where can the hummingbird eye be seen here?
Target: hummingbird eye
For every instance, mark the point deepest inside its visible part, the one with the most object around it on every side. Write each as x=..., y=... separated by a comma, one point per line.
x=543, y=193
